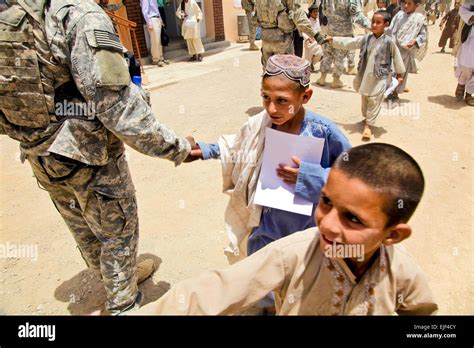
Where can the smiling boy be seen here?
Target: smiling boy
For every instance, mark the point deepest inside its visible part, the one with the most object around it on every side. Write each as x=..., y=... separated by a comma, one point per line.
x=371, y=193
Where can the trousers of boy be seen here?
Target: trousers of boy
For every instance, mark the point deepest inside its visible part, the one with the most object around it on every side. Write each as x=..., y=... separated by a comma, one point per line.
x=99, y=207
x=253, y=24
x=410, y=67
x=195, y=46
x=155, y=39
x=371, y=106
x=465, y=76
x=279, y=43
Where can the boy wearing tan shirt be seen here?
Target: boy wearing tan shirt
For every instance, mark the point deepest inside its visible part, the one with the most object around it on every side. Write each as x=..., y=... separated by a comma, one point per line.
x=349, y=265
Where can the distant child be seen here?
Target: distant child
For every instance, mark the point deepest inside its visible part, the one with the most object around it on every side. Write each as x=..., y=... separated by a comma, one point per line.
x=381, y=5
x=313, y=52
x=409, y=30
x=377, y=53
x=393, y=8
x=370, y=194
x=451, y=24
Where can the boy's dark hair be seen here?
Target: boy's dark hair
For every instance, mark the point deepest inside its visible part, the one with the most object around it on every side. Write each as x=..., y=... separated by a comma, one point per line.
x=389, y=170
x=387, y=18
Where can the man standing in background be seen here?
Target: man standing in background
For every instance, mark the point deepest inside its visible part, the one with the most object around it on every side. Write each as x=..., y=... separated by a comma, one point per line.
x=154, y=24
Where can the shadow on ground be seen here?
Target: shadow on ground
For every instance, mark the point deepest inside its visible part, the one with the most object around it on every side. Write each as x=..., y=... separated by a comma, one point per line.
x=85, y=291
x=448, y=101
x=358, y=128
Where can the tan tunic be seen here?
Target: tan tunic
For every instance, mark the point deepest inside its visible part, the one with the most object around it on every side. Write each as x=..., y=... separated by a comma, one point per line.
x=305, y=282
x=370, y=84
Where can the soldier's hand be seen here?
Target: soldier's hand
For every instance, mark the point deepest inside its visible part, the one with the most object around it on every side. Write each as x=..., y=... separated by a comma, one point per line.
x=329, y=39
x=195, y=153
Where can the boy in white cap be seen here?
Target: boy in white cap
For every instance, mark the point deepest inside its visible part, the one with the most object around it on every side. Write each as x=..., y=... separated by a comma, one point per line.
x=285, y=90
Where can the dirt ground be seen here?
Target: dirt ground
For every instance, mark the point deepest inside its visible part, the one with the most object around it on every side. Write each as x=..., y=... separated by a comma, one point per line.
x=181, y=209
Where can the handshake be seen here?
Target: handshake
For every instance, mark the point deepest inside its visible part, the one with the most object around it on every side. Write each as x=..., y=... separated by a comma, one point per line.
x=195, y=153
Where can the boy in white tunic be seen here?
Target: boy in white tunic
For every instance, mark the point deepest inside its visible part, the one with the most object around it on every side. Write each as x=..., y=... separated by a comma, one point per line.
x=409, y=29
x=377, y=53
x=359, y=207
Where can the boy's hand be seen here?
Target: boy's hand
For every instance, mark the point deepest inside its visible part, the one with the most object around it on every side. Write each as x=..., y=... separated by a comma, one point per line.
x=400, y=79
x=195, y=153
x=329, y=39
x=149, y=27
x=411, y=43
x=287, y=173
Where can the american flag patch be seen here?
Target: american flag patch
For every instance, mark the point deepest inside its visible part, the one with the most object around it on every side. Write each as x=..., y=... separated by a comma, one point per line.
x=105, y=39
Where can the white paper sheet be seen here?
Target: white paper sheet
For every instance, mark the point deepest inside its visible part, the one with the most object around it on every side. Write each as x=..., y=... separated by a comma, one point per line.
x=391, y=87
x=279, y=148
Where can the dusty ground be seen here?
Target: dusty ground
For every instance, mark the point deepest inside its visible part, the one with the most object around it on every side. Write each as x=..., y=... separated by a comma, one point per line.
x=181, y=209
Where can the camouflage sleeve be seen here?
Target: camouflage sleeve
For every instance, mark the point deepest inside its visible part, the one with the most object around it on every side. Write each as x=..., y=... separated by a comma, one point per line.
x=355, y=10
x=299, y=17
x=101, y=75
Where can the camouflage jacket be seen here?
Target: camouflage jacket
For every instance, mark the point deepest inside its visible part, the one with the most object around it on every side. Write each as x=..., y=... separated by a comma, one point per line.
x=287, y=15
x=85, y=86
x=341, y=14
x=248, y=5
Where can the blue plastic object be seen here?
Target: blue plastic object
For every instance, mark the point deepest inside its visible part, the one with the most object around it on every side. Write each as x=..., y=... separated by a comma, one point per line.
x=137, y=80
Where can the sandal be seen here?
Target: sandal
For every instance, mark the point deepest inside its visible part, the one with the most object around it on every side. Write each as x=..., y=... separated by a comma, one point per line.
x=460, y=92
x=469, y=99
x=367, y=133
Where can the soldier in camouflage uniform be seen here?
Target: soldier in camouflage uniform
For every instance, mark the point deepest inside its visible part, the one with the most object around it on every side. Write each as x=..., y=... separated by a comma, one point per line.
x=66, y=96
x=249, y=7
x=340, y=14
x=279, y=19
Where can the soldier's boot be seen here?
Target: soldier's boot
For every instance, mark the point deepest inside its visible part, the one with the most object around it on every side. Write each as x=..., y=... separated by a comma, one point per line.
x=351, y=70
x=254, y=47
x=322, y=80
x=144, y=270
x=336, y=82
x=469, y=99
x=460, y=91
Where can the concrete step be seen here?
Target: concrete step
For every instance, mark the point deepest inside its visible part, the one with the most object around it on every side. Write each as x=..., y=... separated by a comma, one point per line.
x=180, y=43
x=180, y=50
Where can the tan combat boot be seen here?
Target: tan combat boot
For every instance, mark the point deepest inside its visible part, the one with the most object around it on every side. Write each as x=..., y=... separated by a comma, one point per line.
x=351, y=70
x=322, y=80
x=254, y=47
x=336, y=82
x=144, y=270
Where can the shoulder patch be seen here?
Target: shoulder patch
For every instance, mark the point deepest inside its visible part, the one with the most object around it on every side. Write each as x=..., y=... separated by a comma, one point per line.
x=107, y=40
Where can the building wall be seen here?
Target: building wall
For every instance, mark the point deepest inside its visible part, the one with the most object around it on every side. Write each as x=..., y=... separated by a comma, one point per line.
x=230, y=19
x=134, y=13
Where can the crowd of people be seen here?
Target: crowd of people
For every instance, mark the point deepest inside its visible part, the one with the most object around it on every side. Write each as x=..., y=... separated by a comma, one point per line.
x=362, y=196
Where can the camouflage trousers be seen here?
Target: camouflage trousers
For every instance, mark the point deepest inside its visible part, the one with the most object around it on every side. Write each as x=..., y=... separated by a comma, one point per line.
x=99, y=207
x=253, y=24
x=333, y=55
x=350, y=59
x=279, y=44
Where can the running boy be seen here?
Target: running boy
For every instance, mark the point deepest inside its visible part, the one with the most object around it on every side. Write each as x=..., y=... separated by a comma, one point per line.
x=377, y=52
x=409, y=30
x=371, y=193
